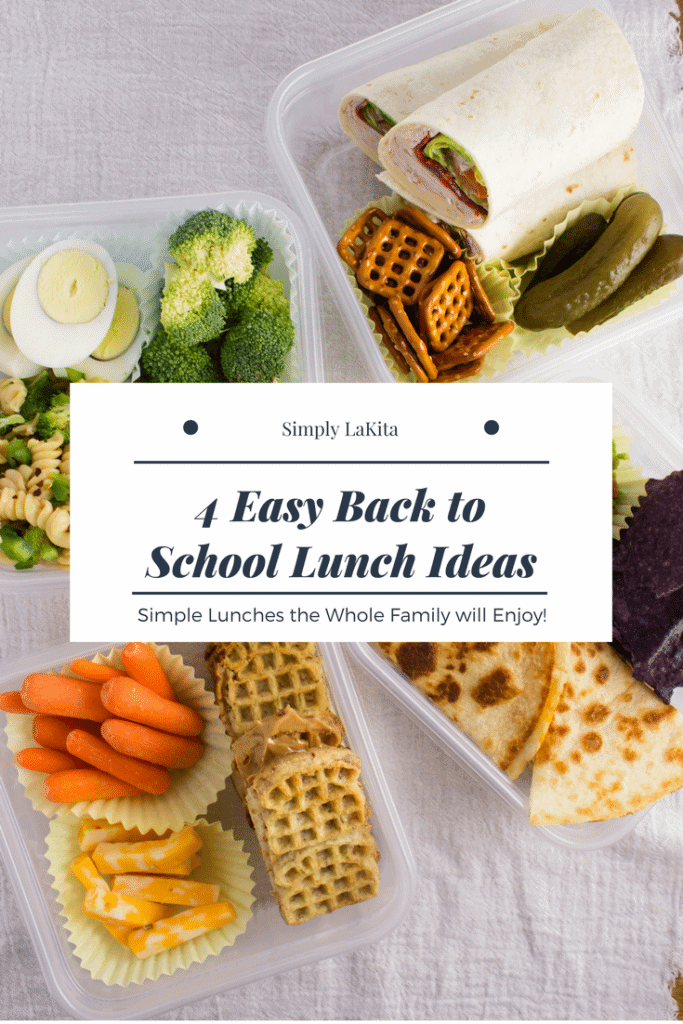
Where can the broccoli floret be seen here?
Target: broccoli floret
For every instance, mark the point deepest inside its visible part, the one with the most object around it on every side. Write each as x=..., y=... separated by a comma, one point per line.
x=26, y=549
x=191, y=309
x=254, y=349
x=215, y=244
x=237, y=296
x=166, y=362
x=269, y=293
x=9, y=420
x=38, y=395
x=56, y=418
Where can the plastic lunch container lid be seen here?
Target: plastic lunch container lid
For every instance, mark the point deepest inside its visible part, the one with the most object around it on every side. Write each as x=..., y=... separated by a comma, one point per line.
x=268, y=946
x=328, y=178
x=659, y=453
x=31, y=228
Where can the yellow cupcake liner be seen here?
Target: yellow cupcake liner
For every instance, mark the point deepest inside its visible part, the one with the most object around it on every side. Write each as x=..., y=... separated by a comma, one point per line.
x=499, y=283
x=223, y=862
x=192, y=789
x=630, y=483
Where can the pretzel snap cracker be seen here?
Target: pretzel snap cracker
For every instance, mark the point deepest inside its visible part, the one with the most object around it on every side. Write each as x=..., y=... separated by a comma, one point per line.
x=446, y=306
x=418, y=219
x=399, y=261
x=459, y=372
x=352, y=243
x=482, y=303
x=396, y=342
x=412, y=337
x=472, y=343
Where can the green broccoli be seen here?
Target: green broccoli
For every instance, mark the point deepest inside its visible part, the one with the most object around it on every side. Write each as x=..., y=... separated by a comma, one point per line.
x=254, y=349
x=18, y=453
x=38, y=395
x=166, y=362
x=215, y=244
x=237, y=296
x=191, y=309
x=26, y=549
x=269, y=293
x=9, y=420
x=56, y=418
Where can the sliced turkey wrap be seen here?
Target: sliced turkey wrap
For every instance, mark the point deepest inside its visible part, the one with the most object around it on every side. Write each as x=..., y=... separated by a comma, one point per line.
x=370, y=110
x=554, y=106
x=526, y=226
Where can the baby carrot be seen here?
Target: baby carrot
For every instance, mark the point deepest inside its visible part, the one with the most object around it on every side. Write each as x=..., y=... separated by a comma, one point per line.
x=51, y=731
x=76, y=784
x=93, y=671
x=94, y=751
x=126, y=698
x=151, y=744
x=50, y=694
x=142, y=664
x=39, y=759
x=12, y=703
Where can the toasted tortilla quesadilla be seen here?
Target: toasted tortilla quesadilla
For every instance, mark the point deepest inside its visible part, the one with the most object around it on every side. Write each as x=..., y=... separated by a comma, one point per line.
x=370, y=110
x=563, y=100
x=501, y=694
x=613, y=746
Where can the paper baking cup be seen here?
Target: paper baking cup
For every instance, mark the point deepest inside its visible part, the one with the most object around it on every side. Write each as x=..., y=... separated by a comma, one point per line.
x=192, y=789
x=267, y=223
x=223, y=862
x=630, y=483
x=500, y=284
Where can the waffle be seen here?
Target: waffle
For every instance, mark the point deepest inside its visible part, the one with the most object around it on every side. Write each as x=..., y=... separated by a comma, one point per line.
x=255, y=680
x=305, y=798
x=326, y=876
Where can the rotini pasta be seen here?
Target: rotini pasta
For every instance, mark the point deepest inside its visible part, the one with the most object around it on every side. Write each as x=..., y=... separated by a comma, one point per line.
x=12, y=394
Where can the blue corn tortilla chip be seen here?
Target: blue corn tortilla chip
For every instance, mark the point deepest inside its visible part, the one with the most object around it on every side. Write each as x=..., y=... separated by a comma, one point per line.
x=648, y=587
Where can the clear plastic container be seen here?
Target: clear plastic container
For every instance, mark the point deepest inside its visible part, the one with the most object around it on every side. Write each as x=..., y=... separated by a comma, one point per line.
x=659, y=453
x=268, y=946
x=328, y=178
x=145, y=225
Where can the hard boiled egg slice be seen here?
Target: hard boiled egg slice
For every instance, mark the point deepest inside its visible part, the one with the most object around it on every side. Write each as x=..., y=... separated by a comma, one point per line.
x=64, y=303
x=13, y=362
x=119, y=368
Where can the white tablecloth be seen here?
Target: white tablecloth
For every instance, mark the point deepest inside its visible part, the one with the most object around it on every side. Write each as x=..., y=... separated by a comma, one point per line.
x=121, y=99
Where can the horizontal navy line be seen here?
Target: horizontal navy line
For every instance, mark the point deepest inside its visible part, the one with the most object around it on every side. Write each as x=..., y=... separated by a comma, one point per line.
x=341, y=462
x=339, y=593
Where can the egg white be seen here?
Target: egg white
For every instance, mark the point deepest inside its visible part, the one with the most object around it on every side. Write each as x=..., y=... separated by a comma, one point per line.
x=42, y=339
x=13, y=362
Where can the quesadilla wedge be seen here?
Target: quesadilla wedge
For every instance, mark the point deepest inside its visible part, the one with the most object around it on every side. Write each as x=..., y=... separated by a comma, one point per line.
x=502, y=695
x=613, y=746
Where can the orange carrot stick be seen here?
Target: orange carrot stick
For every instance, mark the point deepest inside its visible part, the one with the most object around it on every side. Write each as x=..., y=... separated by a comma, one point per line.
x=38, y=759
x=49, y=694
x=94, y=751
x=12, y=703
x=142, y=664
x=93, y=671
x=78, y=784
x=51, y=731
x=126, y=698
x=151, y=744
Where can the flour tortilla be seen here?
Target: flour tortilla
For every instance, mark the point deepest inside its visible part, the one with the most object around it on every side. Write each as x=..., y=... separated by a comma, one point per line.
x=501, y=694
x=562, y=101
x=613, y=746
x=398, y=93
x=526, y=226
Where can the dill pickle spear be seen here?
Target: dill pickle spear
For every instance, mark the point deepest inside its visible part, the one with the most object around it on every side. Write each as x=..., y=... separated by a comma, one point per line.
x=565, y=297
x=661, y=265
x=570, y=247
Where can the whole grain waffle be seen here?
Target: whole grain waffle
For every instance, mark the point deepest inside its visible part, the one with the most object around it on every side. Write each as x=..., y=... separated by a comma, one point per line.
x=326, y=876
x=255, y=680
x=305, y=798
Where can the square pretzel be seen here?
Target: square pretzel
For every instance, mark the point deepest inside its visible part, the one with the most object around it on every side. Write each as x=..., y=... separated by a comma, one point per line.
x=399, y=261
x=352, y=243
x=446, y=307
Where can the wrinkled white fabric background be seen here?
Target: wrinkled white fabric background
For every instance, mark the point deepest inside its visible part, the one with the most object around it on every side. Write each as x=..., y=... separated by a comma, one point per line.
x=127, y=99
